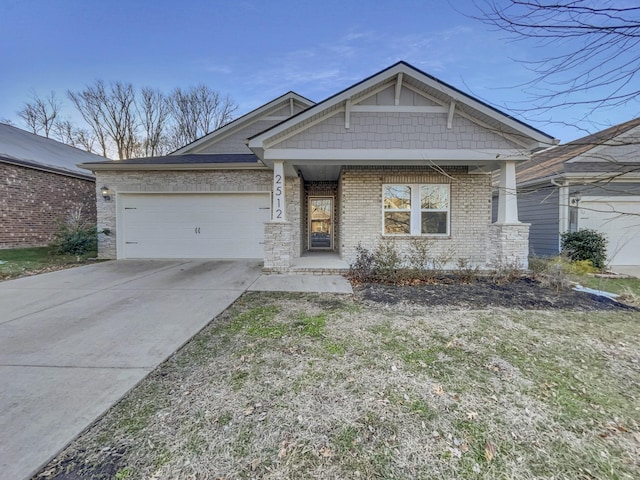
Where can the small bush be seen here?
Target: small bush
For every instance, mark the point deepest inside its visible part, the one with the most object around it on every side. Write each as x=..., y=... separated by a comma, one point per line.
x=585, y=245
x=362, y=267
x=387, y=261
x=556, y=273
x=74, y=235
x=583, y=267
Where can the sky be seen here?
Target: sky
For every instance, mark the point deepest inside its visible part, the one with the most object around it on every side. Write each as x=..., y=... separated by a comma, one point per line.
x=256, y=50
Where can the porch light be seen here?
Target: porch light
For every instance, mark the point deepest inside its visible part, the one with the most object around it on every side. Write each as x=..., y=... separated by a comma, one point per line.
x=106, y=193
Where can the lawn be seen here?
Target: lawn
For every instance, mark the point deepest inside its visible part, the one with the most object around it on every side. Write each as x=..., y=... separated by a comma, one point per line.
x=288, y=386
x=17, y=262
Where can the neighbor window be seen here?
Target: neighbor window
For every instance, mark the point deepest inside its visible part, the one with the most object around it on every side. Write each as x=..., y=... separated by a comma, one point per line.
x=416, y=209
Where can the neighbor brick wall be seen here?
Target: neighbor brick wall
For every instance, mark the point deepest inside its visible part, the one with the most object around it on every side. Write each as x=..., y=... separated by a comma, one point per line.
x=361, y=210
x=32, y=201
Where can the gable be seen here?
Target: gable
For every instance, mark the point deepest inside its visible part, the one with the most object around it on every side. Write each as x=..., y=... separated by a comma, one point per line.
x=417, y=122
x=232, y=137
x=400, y=114
x=623, y=148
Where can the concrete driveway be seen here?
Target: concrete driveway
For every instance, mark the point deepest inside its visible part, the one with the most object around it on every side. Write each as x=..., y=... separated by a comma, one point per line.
x=73, y=342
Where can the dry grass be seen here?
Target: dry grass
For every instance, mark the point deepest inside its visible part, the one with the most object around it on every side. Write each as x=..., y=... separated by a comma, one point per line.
x=285, y=386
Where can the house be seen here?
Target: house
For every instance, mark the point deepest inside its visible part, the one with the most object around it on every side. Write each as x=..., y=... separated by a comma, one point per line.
x=589, y=183
x=40, y=184
x=399, y=155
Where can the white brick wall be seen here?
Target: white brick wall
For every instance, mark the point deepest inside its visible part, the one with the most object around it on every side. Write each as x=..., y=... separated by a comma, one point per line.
x=361, y=210
x=172, y=181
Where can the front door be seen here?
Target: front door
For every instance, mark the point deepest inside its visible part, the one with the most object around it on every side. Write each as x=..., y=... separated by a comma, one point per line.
x=320, y=223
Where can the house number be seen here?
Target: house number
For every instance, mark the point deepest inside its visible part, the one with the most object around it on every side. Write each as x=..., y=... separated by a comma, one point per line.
x=278, y=192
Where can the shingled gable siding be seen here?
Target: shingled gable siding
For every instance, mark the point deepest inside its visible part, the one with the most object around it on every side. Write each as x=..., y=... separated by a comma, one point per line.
x=181, y=182
x=395, y=130
x=33, y=201
x=361, y=210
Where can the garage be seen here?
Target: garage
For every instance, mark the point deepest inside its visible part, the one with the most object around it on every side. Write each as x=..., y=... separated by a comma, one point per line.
x=619, y=219
x=199, y=225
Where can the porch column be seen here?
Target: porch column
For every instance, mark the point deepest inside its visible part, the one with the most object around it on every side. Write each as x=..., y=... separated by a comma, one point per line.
x=507, y=197
x=278, y=210
x=278, y=233
x=508, y=239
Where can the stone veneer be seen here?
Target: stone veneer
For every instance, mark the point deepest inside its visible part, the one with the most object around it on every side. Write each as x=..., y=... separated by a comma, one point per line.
x=361, y=210
x=508, y=245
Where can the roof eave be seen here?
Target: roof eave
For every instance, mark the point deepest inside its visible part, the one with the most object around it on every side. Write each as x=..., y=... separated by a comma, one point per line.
x=100, y=167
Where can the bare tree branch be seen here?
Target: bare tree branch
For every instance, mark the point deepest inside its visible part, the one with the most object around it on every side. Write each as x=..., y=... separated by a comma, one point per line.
x=592, y=47
x=40, y=114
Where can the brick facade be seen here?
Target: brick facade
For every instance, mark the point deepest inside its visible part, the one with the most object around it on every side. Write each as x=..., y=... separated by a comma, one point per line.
x=361, y=214
x=33, y=201
x=201, y=181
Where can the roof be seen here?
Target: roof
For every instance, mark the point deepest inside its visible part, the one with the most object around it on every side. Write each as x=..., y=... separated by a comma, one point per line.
x=552, y=162
x=186, y=161
x=23, y=148
x=447, y=93
x=244, y=119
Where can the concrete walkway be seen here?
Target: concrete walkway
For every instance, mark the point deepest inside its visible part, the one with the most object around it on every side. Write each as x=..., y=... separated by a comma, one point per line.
x=73, y=342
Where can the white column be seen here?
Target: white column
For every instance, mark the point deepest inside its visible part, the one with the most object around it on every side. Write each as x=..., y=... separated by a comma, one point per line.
x=278, y=213
x=507, y=197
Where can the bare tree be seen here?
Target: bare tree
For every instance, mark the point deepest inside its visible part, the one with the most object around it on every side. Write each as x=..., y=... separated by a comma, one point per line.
x=197, y=111
x=592, y=47
x=110, y=112
x=40, y=114
x=153, y=110
x=88, y=103
x=67, y=133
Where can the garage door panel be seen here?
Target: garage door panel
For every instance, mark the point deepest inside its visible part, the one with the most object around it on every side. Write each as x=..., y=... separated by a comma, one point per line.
x=194, y=226
x=619, y=219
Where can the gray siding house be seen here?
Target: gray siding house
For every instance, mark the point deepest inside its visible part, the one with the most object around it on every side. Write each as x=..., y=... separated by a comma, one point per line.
x=592, y=182
x=400, y=156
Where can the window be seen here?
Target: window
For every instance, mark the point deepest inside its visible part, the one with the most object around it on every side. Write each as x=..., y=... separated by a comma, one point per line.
x=416, y=209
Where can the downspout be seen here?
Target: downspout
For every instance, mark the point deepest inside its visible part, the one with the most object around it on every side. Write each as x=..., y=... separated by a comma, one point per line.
x=563, y=208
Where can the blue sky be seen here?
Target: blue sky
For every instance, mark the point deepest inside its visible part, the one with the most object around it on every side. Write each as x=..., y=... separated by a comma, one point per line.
x=256, y=50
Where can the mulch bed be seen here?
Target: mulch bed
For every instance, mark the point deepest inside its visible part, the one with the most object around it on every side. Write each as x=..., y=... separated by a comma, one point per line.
x=524, y=293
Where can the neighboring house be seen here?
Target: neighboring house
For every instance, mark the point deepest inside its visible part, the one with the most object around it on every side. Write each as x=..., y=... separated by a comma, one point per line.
x=40, y=184
x=400, y=155
x=590, y=183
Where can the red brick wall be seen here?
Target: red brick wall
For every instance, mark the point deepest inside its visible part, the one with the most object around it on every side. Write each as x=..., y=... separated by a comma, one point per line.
x=32, y=201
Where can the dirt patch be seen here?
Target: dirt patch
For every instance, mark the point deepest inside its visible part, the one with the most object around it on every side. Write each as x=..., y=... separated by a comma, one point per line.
x=526, y=294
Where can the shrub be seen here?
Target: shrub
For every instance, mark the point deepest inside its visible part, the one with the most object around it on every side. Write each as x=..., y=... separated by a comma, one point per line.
x=75, y=236
x=585, y=245
x=362, y=267
x=387, y=261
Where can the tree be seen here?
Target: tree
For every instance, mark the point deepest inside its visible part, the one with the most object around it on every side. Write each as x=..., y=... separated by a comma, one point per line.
x=197, y=111
x=88, y=103
x=153, y=110
x=593, y=45
x=40, y=114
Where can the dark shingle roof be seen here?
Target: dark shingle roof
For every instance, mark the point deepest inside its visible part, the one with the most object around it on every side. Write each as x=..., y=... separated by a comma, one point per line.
x=188, y=159
x=551, y=162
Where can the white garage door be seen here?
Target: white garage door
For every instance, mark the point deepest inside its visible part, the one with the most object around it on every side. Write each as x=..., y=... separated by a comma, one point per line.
x=619, y=219
x=229, y=225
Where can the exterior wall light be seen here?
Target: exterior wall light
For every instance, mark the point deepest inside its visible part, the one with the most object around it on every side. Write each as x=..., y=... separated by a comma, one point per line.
x=106, y=193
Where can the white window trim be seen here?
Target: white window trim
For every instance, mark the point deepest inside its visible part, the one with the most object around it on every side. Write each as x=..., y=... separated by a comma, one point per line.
x=416, y=211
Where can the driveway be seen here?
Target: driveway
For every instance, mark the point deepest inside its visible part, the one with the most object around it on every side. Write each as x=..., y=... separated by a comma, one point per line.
x=73, y=342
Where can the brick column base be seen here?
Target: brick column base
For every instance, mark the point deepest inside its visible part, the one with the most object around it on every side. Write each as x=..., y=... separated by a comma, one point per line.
x=508, y=245
x=277, y=246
